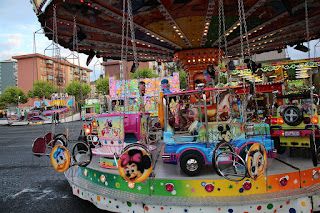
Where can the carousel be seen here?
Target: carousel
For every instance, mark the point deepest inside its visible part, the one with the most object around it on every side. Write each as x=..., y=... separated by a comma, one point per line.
x=236, y=141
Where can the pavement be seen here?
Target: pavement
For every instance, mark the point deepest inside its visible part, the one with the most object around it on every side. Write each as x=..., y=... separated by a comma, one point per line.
x=29, y=183
x=75, y=117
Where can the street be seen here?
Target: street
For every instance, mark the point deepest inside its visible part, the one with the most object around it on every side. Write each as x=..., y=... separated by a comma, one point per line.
x=29, y=183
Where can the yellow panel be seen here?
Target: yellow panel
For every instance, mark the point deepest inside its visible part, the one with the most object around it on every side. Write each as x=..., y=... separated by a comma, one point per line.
x=165, y=29
x=192, y=27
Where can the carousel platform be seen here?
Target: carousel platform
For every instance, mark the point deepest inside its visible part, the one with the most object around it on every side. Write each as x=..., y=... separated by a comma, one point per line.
x=291, y=184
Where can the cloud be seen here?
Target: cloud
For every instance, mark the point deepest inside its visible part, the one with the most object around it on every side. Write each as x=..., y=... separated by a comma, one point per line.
x=314, y=51
x=10, y=45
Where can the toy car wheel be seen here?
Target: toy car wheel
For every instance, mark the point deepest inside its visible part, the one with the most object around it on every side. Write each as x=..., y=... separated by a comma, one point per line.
x=280, y=149
x=314, y=145
x=191, y=164
x=58, y=141
x=292, y=115
x=221, y=147
x=231, y=166
x=81, y=154
x=62, y=137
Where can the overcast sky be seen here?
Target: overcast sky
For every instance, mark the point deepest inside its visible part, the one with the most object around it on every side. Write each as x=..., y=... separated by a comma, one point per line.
x=18, y=23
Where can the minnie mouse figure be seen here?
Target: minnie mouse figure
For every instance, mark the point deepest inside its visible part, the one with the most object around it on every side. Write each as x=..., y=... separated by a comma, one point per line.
x=133, y=166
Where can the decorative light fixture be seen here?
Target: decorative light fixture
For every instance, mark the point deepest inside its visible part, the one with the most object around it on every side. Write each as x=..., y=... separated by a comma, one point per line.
x=209, y=187
x=131, y=185
x=169, y=187
x=283, y=181
x=102, y=178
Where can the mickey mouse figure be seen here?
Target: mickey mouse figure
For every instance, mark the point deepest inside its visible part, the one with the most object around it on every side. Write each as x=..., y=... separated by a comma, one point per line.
x=133, y=165
x=225, y=134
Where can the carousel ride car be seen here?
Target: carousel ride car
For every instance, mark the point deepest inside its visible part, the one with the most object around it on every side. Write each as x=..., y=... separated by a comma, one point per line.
x=196, y=34
x=294, y=123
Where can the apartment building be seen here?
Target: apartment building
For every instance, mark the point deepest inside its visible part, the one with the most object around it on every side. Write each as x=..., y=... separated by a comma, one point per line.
x=8, y=74
x=35, y=67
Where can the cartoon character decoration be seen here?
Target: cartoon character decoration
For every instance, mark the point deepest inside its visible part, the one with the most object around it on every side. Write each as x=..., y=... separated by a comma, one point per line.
x=142, y=88
x=107, y=128
x=209, y=74
x=224, y=106
x=135, y=165
x=60, y=158
x=236, y=109
x=256, y=161
x=225, y=134
x=165, y=86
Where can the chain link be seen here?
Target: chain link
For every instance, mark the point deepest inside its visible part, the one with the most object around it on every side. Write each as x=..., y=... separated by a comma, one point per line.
x=310, y=78
x=122, y=38
x=219, y=57
x=133, y=39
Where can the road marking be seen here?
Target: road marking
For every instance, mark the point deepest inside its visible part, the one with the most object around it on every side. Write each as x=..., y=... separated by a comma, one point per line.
x=23, y=191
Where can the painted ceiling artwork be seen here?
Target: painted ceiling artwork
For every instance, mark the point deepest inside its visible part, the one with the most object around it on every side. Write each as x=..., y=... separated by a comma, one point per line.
x=163, y=28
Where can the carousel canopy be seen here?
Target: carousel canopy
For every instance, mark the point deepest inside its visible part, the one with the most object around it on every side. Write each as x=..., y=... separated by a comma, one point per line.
x=163, y=27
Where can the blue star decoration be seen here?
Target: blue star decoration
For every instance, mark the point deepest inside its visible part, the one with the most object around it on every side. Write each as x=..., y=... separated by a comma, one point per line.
x=185, y=210
x=117, y=206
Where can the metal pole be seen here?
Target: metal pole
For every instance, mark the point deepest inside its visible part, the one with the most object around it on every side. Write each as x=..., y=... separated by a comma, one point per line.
x=206, y=119
x=165, y=114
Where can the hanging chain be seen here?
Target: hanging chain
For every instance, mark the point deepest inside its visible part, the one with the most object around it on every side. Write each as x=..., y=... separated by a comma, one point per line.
x=219, y=58
x=122, y=39
x=254, y=75
x=133, y=39
x=244, y=104
x=310, y=78
x=75, y=48
x=225, y=46
x=54, y=43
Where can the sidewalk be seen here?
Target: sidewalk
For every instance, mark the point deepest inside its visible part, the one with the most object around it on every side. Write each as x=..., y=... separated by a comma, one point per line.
x=75, y=117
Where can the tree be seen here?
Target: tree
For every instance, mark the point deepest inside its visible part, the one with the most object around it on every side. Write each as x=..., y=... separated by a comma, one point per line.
x=183, y=80
x=42, y=89
x=79, y=91
x=182, y=74
x=11, y=96
x=102, y=86
x=143, y=73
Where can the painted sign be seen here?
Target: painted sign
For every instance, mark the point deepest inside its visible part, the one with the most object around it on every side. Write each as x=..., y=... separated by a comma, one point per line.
x=36, y=118
x=135, y=165
x=110, y=129
x=124, y=95
x=62, y=102
x=257, y=161
x=13, y=118
x=60, y=158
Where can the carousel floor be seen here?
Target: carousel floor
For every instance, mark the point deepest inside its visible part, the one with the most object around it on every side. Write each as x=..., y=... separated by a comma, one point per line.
x=285, y=163
x=291, y=161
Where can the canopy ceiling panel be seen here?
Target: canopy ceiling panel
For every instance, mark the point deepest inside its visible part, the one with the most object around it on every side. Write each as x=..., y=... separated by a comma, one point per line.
x=164, y=27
